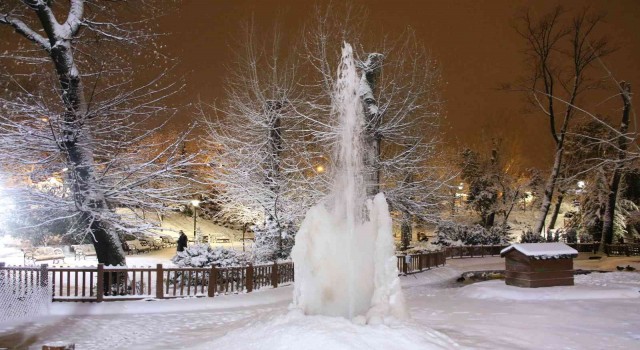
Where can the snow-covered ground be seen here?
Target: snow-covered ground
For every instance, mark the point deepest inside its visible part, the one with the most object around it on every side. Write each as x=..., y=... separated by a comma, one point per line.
x=171, y=225
x=599, y=312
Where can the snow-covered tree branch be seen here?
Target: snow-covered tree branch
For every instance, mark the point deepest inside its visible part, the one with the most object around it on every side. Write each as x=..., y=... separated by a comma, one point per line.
x=77, y=139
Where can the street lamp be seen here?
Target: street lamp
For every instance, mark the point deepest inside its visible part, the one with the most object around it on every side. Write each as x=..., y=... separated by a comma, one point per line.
x=196, y=204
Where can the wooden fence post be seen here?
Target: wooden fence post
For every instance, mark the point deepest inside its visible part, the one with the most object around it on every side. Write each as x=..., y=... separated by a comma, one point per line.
x=100, y=283
x=159, y=282
x=274, y=275
x=250, y=278
x=404, y=265
x=44, y=275
x=213, y=282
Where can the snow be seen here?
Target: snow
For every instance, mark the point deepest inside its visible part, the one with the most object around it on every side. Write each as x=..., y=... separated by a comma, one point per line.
x=541, y=250
x=295, y=331
x=320, y=262
x=498, y=290
x=600, y=311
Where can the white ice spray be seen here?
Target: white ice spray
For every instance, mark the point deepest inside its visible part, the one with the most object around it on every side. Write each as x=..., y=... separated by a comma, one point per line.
x=344, y=262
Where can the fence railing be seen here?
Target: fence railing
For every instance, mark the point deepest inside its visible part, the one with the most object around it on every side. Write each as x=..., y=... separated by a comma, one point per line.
x=584, y=247
x=109, y=283
x=22, y=279
x=419, y=262
x=622, y=249
x=472, y=251
x=112, y=283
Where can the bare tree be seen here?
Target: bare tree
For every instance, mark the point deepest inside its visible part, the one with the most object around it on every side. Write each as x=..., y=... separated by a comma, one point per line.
x=265, y=164
x=603, y=154
x=560, y=57
x=619, y=167
x=72, y=109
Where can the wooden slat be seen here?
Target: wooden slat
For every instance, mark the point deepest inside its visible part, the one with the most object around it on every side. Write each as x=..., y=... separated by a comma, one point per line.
x=84, y=280
x=148, y=281
x=90, y=283
x=189, y=284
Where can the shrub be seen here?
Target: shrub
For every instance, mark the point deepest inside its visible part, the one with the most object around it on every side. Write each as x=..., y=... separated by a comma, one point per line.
x=450, y=233
x=202, y=255
x=422, y=248
x=530, y=237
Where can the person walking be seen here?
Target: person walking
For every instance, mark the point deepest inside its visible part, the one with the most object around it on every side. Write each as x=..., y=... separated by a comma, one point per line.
x=182, y=241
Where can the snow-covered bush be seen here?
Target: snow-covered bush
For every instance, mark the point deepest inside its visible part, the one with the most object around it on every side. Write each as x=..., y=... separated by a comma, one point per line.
x=273, y=242
x=497, y=235
x=202, y=255
x=423, y=247
x=450, y=232
x=530, y=237
x=585, y=237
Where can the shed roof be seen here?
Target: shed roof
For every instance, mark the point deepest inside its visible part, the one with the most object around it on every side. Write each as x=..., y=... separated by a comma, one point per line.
x=542, y=250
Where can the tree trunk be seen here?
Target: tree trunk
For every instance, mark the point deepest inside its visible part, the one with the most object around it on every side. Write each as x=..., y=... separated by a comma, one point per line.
x=609, y=213
x=274, y=149
x=556, y=210
x=372, y=138
x=548, y=191
x=77, y=147
x=490, y=220
x=405, y=230
x=514, y=200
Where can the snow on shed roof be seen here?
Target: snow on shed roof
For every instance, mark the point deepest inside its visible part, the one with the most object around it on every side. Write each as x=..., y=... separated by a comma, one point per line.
x=541, y=250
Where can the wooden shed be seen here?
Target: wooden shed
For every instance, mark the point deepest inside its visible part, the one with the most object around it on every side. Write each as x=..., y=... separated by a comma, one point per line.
x=532, y=265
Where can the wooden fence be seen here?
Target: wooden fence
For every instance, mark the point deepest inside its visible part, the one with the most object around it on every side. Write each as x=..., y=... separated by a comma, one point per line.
x=109, y=283
x=23, y=279
x=622, y=249
x=419, y=262
x=492, y=250
x=473, y=251
x=113, y=283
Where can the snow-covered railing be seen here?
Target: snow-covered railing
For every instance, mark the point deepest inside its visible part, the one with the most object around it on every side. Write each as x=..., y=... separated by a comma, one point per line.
x=419, y=262
x=584, y=247
x=622, y=249
x=479, y=251
x=473, y=251
x=24, y=292
x=111, y=283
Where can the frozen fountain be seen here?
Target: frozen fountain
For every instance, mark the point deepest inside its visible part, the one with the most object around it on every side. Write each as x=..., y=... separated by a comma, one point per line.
x=344, y=253
x=347, y=293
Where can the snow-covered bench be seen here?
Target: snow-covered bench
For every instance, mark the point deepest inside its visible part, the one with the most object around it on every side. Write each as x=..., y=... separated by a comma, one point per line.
x=168, y=241
x=136, y=246
x=43, y=253
x=83, y=251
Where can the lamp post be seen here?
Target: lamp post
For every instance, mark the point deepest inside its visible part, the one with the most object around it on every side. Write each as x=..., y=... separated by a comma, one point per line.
x=196, y=204
x=459, y=195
